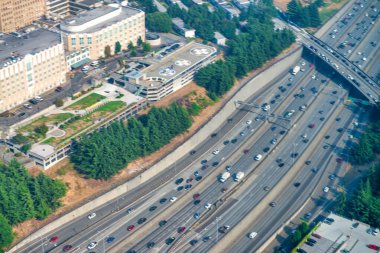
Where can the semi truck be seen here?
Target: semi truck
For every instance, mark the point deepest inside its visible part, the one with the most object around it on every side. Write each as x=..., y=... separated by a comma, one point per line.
x=224, y=177
x=296, y=69
x=239, y=176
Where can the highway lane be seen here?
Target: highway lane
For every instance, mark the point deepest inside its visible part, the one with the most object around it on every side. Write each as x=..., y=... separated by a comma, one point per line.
x=221, y=154
x=292, y=198
x=248, y=162
x=101, y=213
x=271, y=173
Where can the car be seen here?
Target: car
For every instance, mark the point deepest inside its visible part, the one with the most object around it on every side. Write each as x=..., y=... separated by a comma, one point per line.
x=189, y=180
x=252, y=235
x=162, y=223
x=130, y=227
x=339, y=160
x=249, y=122
x=163, y=200
x=141, y=220
x=301, y=250
x=110, y=239
x=33, y=101
x=224, y=190
x=266, y=149
x=180, y=188
x=258, y=157
x=373, y=246
x=197, y=215
x=59, y=89
x=258, y=118
x=215, y=152
x=152, y=208
x=326, y=189
x=27, y=106
x=332, y=177
x=340, y=130
x=150, y=244
x=308, y=162
x=233, y=141
x=21, y=114
x=204, y=167
x=322, y=118
x=206, y=238
x=281, y=165
x=196, y=196
x=293, y=155
x=188, y=186
x=330, y=219
x=296, y=184
x=216, y=163
x=172, y=199
x=130, y=210
x=316, y=235
x=193, y=242
x=273, y=204
x=179, y=181
x=327, y=137
x=208, y=205
x=203, y=161
x=66, y=248
x=181, y=229
x=226, y=142
x=198, y=178
x=38, y=98
x=312, y=125
x=214, y=135
x=170, y=240
x=224, y=229
x=92, y=245
x=54, y=239
x=197, y=201
x=246, y=151
x=282, y=132
x=192, y=152
x=309, y=243
x=228, y=167
x=91, y=216
x=266, y=188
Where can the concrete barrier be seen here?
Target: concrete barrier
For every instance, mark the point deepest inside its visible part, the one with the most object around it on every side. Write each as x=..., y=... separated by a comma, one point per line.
x=220, y=118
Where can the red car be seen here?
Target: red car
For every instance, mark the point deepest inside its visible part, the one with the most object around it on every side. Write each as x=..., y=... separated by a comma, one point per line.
x=196, y=196
x=316, y=235
x=246, y=151
x=131, y=227
x=312, y=125
x=373, y=246
x=189, y=180
x=181, y=229
x=67, y=248
x=224, y=190
x=54, y=239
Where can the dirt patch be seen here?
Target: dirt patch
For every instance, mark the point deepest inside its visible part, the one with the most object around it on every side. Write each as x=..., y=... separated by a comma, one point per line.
x=81, y=190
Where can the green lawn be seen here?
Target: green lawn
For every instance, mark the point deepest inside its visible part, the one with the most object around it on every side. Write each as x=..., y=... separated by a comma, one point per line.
x=325, y=14
x=86, y=102
x=48, y=140
x=51, y=119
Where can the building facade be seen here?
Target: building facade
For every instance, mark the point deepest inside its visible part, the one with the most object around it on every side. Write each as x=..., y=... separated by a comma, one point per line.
x=102, y=27
x=57, y=8
x=30, y=65
x=16, y=14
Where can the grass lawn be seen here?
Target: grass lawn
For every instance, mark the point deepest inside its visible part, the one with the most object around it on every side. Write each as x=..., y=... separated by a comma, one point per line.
x=48, y=140
x=51, y=119
x=325, y=14
x=85, y=102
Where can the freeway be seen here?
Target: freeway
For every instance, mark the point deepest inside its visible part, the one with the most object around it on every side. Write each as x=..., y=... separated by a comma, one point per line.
x=81, y=231
x=213, y=192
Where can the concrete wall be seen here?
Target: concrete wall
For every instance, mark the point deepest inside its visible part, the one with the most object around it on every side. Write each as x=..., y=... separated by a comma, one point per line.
x=245, y=92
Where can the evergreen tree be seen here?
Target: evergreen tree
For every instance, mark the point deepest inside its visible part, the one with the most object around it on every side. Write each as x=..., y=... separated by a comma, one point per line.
x=6, y=233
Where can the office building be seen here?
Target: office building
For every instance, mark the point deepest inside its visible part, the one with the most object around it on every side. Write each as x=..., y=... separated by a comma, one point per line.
x=102, y=27
x=30, y=64
x=16, y=14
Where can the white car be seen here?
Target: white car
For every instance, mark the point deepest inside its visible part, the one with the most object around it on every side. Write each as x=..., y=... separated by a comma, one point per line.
x=27, y=106
x=303, y=63
x=258, y=157
x=216, y=151
x=172, y=199
x=91, y=216
x=252, y=235
x=326, y=189
x=208, y=205
x=92, y=245
x=38, y=98
x=249, y=122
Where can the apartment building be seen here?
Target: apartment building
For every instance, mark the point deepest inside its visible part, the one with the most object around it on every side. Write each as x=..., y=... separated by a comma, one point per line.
x=16, y=14
x=103, y=26
x=30, y=64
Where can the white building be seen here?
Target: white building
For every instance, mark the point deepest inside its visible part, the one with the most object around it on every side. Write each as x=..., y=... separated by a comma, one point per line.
x=220, y=39
x=180, y=26
x=78, y=58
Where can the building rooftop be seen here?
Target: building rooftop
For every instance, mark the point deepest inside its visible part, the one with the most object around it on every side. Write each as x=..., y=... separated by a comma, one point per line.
x=42, y=150
x=218, y=36
x=343, y=234
x=14, y=47
x=97, y=19
x=170, y=63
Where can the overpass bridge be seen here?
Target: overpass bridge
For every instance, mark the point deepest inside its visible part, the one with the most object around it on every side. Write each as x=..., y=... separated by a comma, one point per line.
x=356, y=76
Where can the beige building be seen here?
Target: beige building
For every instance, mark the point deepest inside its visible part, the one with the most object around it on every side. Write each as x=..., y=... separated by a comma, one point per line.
x=103, y=26
x=16, y=14
x=30, y=65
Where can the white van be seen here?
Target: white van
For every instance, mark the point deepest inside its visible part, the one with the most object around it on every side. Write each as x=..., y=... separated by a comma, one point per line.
x=258, y=157
x=252, y=235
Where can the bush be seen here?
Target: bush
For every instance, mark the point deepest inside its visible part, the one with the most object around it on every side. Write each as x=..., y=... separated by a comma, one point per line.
x=20, y=139
x=41, y=130
x=58, y=102
x=25, y=148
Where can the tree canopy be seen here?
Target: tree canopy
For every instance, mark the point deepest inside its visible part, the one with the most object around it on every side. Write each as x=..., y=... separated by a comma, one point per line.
x=158, y=22
x=307, y=16
x=103, y=154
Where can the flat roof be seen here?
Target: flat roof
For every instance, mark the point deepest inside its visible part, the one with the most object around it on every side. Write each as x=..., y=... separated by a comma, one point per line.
x=174, y=63
x=30, y=43
x=218, y=35
x=90, y=15
x=341, y=234
x=42, y=150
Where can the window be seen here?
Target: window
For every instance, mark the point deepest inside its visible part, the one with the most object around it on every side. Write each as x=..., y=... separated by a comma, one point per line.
x=89, y=40
x=73, y=41
x=28, y=66
x=30, y=77
x=81, y=41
